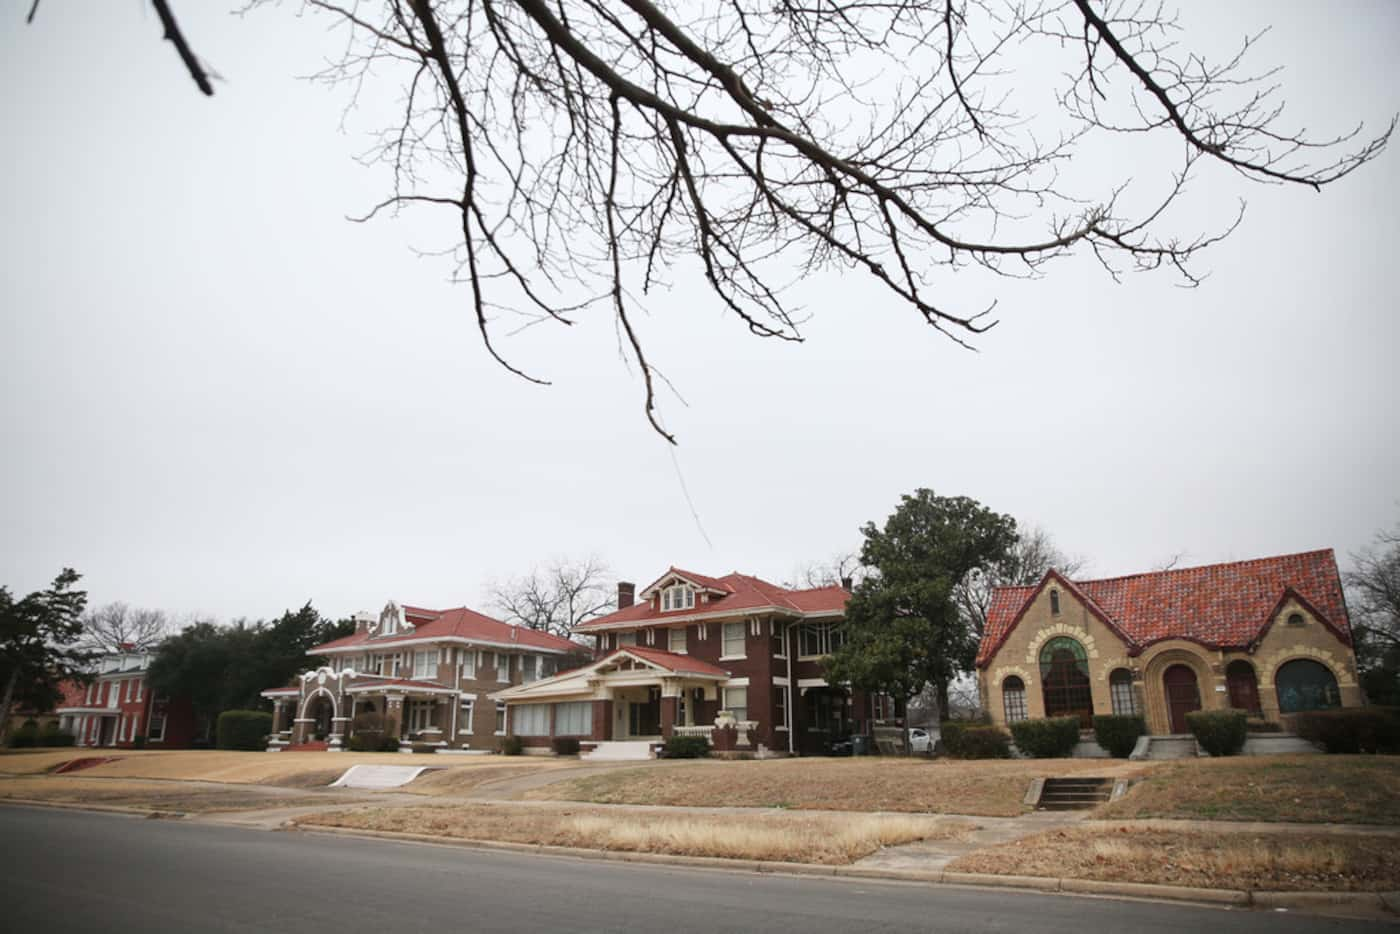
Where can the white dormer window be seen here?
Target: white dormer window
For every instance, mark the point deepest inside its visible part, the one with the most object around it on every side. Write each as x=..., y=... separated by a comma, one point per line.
x=678, y=597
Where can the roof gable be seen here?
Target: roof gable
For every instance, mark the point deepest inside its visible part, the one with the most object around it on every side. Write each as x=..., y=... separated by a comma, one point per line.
x=734, y=593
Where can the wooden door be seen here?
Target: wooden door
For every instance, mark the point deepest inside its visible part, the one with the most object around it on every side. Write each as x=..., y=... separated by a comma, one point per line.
x=1183, y=696
x=1243, y=687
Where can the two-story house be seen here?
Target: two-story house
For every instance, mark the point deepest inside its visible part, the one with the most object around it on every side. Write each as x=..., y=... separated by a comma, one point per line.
x=690, y=650
x=427, y=673
x=118, y=708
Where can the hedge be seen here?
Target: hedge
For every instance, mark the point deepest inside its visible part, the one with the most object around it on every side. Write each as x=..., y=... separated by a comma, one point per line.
x=243, y=729
x=1054, y=738
x=1220, y=732
x=25, y=736
x=565, y=745
x=974, y=740
x=1352, y=730
x=512, y=746
x=686, y=747
x=1119, y=734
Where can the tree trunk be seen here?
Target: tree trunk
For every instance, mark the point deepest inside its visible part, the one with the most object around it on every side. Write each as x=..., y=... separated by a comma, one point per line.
x=10, y=683
x=941, y=692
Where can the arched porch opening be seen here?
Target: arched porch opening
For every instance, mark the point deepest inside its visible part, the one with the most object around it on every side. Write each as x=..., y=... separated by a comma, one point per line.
x=1242, y=685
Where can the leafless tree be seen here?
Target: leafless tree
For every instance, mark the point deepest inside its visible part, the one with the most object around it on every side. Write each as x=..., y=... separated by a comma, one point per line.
x=1373, y=586
x=1033, y=554
x=830, y=573
x=117, y=627
x=558, y=597
x=589, y=151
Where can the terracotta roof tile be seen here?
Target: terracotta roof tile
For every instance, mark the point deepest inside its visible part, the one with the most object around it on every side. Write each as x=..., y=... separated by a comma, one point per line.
x=671, y=661
x=742, y=592
x=461, y=623
x=1219, y=605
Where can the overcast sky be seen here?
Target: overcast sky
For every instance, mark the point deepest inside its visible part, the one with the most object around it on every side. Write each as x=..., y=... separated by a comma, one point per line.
x=218, y=396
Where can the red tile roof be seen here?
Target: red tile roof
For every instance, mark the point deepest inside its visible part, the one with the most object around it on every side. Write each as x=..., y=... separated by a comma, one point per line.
x=671, y=661
x=460, y=623
x=1219, y=605
x=741, y=592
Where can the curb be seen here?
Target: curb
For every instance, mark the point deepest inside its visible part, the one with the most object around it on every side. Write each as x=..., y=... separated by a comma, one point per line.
x=102, y=808
x=1351, y=904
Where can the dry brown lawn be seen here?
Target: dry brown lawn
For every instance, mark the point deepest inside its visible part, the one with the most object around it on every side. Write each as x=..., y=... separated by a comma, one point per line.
x=156, y=796
x=291, y=769
x=1301, y=862
x=993, y=788
x=458, y=781
x=829, y=839
x=1309, y=789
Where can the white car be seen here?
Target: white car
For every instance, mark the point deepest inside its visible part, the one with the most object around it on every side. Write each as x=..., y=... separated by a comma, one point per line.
x=920, y=741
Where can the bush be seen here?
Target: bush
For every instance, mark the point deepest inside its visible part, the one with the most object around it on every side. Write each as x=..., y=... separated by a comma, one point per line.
x=975, y=741
x=25, y=736
x=1352, y=730
x=1054, y=738
x=1119, y=734
x=1220, y=732
x=389, y=744
x=51, y=735
x=512, y=746
x=371, y=742
x=565, y=745
x=137, y=742
x=1262, y=726
x=243, y=729
x=686, y=747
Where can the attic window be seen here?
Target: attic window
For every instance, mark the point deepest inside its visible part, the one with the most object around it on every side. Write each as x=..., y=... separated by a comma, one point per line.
x=1055, y=602
x=1295, y=619
x=677, y=597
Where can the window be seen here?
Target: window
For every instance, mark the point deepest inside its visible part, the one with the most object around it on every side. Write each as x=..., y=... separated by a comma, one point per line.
x=548, y=666
x=677, y=597
x=1055, y=602
x=733, y=641
x=529, y=668
x=420, y=715
x=1120, y=690
x=573, y=719
x=780, y=719
x=818, y=639
x=626, y=638
x=1013, y=699
x=464, y=717
x=155, y=728
x=1304, y=684
x=779, y=650
x=425, y=663
x=500, y=718
x=531, y=720
x=736, y=700
x=1295, y=619
x=676, y=641
x=1064, y=675
x=468, y=664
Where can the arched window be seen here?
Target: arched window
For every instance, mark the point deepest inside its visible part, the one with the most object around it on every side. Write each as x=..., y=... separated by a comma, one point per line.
x=1120, y=689
x=1243, y=686
x=1295, y=619
x=1304, y=684
x=1013, y=699
x=1055, y=602
x=1064, y=676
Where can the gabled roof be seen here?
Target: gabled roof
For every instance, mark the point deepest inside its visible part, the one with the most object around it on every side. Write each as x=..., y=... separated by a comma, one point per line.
x=673, y=662
x=733, y=594
x=1220, y=605
x=458, y=623
x=579, y=681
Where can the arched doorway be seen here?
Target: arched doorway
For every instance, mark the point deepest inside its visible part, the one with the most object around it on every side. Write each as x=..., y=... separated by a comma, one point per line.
x=1243, y=686
x=1064, y=678
x=1183, y=695
x=319, y=710
x=1304, y=684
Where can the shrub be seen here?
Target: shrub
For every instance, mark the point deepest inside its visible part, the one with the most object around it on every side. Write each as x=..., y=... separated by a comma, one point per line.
x=1352, y=730
x=565, y=745
x=1119, y=734
x=243, y=729
x=1220, y=732
x=686, y=747
x=137, y=742
x=975, y=741
x=23, y=737
x=1054, y=738
x=369, y=742
x=1262, y=726
x=51, y=735
x=512, y=746
x=389, y=744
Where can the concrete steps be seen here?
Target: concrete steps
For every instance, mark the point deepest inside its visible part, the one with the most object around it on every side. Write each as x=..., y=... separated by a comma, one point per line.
x=1074, y=794
x=620, y=751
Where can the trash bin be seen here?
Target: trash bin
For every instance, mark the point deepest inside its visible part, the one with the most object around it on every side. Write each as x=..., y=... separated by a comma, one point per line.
x=860, y=745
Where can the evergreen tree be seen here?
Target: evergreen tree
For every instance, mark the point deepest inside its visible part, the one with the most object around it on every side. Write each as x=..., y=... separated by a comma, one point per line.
x=39, y=649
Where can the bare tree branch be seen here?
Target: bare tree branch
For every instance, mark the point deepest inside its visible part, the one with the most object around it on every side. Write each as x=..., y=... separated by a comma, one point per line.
x=558, y=597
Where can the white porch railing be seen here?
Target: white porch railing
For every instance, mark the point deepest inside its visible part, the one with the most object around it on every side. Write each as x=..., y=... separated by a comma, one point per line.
x=704, y=731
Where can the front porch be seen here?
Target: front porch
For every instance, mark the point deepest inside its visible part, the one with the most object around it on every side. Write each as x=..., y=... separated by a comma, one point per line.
x=385, y=713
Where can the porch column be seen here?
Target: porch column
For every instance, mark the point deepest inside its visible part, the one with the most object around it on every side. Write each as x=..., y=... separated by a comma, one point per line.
x=602, y=720
x=668, y=716
x=279, y=716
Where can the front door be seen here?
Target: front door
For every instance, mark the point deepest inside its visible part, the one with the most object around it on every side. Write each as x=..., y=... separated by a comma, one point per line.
x=108, y=733
x=644, y=718
x=1183, y=696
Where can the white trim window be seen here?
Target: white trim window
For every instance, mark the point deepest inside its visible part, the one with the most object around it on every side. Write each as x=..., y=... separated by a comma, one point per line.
x=733, y=645
x=529, y=668
x=817, y=640
x=678, y=597
x=420, y=715
x=676, y=641
x=530, y=719
x=464, y=716
x=155, y=727
x=780, y=706
x=626, y=638
x=736, y=701
x=500, y=718
x=468, y=664
x=425, y=663
x=573, y=719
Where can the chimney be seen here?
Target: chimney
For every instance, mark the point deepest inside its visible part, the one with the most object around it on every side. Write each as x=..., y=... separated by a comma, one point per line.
x=845, y=583
x=626, y=594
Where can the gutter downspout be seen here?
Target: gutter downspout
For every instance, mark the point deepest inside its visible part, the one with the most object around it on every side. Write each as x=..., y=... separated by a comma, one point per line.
x=787, y=650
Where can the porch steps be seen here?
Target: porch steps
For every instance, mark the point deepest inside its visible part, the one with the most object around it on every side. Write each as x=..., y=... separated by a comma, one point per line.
x=1074, y=794
x=1173, y=746
x=620, y=751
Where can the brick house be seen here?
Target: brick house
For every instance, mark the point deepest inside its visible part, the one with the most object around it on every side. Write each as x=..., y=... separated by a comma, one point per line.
x=427, y=673
x=1269, y=636
x=117, y=708
x=690, y=650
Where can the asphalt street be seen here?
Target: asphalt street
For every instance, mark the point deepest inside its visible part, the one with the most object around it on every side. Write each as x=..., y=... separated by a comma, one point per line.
x=74, y=871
